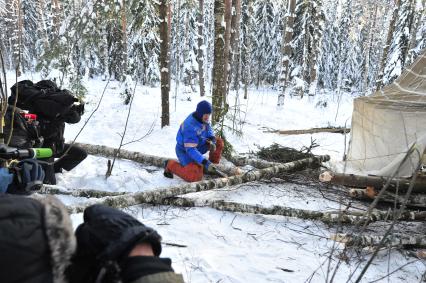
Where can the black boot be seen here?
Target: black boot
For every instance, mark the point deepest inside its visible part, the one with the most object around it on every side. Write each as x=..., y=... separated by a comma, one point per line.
x=166, y=172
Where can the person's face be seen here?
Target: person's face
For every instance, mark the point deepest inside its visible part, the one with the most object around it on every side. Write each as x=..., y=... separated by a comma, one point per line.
x=206, y=118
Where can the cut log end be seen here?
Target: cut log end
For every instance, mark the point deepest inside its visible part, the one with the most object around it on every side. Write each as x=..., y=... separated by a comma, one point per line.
x=340, y=238
x=326, y=176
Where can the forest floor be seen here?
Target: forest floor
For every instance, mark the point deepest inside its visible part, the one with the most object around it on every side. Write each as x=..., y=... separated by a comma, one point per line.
x=218, y=246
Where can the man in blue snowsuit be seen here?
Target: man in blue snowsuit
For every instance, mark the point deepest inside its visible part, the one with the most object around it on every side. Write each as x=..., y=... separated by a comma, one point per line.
x=194, y=138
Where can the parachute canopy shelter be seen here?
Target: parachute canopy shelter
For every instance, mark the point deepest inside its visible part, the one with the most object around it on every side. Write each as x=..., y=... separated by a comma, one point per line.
x=388, y=132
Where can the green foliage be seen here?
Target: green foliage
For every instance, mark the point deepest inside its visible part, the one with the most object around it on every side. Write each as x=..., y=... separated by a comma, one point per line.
x=77, y=87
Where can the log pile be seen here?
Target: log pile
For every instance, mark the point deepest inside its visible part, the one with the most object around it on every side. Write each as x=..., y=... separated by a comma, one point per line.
x=367, y=187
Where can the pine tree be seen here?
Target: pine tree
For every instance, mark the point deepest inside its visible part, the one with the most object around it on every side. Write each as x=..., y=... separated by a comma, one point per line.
x=308, y=28
x=399, y=47
x=344, y=44
x=247, y=41
x=144, y=43
x=201, y=47
x=264, y=41
x=328, y=61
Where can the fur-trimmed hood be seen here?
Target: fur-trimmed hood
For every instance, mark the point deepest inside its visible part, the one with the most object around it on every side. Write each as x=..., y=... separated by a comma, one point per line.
x=60, y=235
x=37, y=239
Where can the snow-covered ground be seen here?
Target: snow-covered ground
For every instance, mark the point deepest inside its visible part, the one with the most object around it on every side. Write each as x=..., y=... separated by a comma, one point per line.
x=223, y=246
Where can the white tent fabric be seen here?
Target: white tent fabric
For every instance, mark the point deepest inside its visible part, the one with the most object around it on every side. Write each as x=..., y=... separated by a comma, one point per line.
x=386, y=124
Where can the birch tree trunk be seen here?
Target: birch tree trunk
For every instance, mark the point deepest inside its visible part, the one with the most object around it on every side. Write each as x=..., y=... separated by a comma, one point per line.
x=157, y=196
x=246, y=50
x=177, y=55
x=332, y=217
x=394, y=240
x=234, y=53
x=55, y=190
x=164, y=64
x=200, y=54
x=256, y=163
x=371, y=27
x=286, y=50
x=391, y=29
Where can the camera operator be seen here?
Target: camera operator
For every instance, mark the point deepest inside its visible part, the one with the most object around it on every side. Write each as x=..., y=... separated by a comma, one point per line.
x=53, y=133
x=54, y=107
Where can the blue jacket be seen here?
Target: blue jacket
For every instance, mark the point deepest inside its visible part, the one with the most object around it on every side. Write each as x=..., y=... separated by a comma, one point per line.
x=192, y=141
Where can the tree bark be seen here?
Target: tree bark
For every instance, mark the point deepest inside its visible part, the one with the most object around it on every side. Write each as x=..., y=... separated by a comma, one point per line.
x=379, y=81
x=55, y=190
x=164, y=64
x=234, y=43
x=326, y=217
x=286, y=50
x=329, y=217
x=245, y=52
x=220, y=61
x=395, y=240
x=351, y=180
x=257, y=163
x=156, y=196
x=200, y=54
x=311, y=131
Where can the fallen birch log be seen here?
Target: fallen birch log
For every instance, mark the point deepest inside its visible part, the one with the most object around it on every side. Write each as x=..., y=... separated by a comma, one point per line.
x=394, y=240
x=326, y=217
x=125, y=154
x=311, y=131
x=57, y=190
x=139, y=157
x=156, y=196
x=351, y=180
x=418, y=201
x=329, y=217
x=256, y=163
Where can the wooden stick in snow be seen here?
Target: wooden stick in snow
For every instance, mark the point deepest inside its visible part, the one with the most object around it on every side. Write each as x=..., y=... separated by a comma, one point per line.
x=156, y=196
x=311, y=131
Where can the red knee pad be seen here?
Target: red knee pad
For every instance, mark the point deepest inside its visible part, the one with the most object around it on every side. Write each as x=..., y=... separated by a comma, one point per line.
x=190, y=173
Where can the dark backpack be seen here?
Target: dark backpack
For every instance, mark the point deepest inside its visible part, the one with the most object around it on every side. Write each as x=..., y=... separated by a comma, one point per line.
x=43, y=98
x=25, y=133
